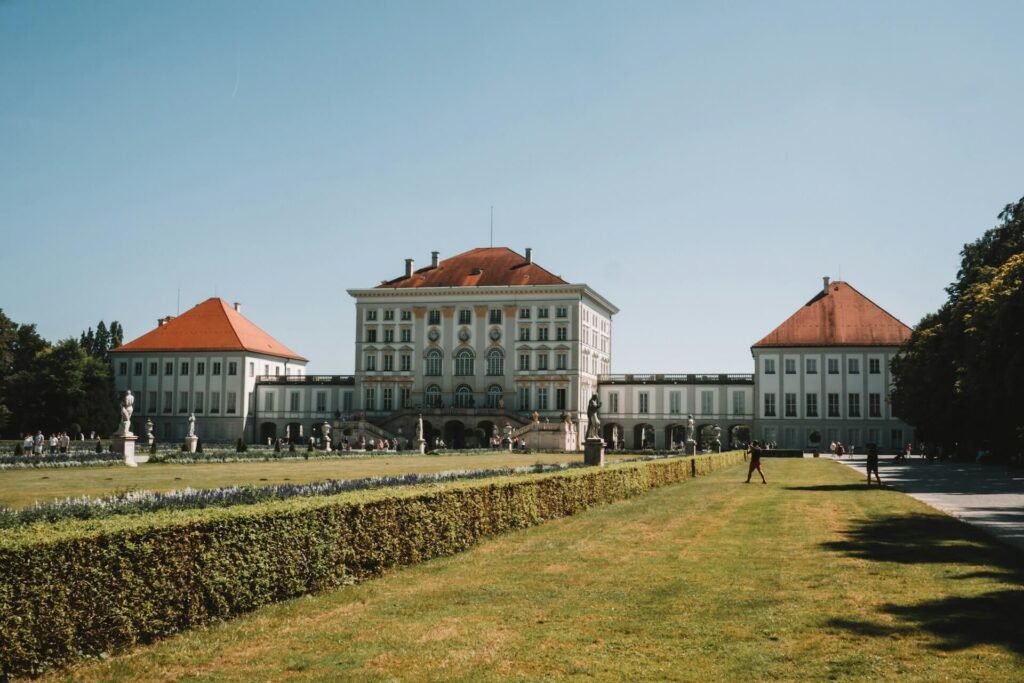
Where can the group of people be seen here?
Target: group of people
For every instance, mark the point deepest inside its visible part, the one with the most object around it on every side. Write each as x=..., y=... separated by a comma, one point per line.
x=58, y=442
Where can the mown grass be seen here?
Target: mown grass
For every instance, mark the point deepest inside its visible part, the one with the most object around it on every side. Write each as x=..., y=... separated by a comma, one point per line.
x=21, y=488
x=813, y=577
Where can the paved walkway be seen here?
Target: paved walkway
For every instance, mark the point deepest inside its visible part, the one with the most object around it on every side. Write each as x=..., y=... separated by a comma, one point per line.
x=989, y=497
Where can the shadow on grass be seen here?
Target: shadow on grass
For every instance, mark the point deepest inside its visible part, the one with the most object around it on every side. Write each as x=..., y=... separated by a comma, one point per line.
x=992, y=618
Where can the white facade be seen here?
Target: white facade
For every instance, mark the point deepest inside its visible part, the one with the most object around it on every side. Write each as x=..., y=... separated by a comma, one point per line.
x=216, y=386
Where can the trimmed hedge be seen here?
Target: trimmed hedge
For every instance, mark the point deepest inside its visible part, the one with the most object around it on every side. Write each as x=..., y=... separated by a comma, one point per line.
x=83, y=589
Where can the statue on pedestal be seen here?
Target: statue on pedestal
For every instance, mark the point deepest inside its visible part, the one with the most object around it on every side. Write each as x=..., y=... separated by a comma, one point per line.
x=594, y=417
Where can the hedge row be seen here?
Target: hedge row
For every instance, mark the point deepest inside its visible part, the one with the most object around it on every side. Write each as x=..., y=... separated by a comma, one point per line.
x=88, y=590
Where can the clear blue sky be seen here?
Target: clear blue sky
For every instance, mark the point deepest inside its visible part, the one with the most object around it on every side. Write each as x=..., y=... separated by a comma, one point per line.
x=701, y=165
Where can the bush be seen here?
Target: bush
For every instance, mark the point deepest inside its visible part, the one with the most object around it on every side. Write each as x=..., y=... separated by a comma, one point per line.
x=178, y=570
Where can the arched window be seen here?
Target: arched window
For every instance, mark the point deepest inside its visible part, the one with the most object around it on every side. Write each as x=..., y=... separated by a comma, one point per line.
x=433, y=396
x=494, y=395
x=495, y=362
x=464, y=362
x=463, y=397
x=433, y=362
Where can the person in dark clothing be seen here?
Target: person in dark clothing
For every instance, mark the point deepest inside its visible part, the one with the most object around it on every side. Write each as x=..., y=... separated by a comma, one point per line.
x=872, y=465
x=755, y=462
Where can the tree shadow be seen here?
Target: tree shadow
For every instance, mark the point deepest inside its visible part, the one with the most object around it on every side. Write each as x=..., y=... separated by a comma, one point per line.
x=959, y=622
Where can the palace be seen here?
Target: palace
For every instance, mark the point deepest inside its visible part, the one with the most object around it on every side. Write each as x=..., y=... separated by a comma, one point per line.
x=488, y=340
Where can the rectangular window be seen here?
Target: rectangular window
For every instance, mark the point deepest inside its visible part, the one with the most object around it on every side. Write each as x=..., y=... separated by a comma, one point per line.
x=542, y=398
x=524, y=399
x=560, y=395
x=268, y=402
x=874, y=366
x=790, y=366
x=524, y=313
x=389, y=314
x=371, y=398
x=122, y=368
x=434, y=318
x=321, y=401
x=739, y=401
x=293, y=401
x=769, y=405
x=524, y=334
x=406, y=336
x=389, y=336
x=232, y=405
x=790, y=405
x=853, y=405
x=542, y=361
x=389, y=362
x=561, y=312
x=769, y=366
x=151, y=406
x=371, y=315
x=182, y=401
x=707, y=402
x=406, y=362
x=562, y=361
x=371, y=362
x=812, y=366
x=465, y=317
x=853, y=366
x=874, y=405
x=644, y=402
x=812, y=405
x=495, y=316
x=833, y=405
x=524, y=361
x=388, y=396
x=675, y=402
x=168, y=368
x=201, y=368
x=542, y=312
x=168, y=402
x=542, y=334
x=833, y=366
x=152, y=368
x=613, y=402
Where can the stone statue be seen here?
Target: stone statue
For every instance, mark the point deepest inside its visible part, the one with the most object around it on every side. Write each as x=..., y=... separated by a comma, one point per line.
x=191, y=424
x=594, y=417
x=127, y=408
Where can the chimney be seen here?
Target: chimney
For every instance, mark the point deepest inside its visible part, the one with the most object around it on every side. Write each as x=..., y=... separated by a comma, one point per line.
x=529, y=255
x=409, y=264
x=825, y=281
x=238, y=307
x=433, y=259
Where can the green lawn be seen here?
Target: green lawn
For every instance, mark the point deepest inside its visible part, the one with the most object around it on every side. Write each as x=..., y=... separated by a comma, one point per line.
x=21, y=488
x=813, y=577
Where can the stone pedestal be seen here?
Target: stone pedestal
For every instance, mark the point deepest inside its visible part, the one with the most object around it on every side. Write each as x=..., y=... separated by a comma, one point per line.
x=593, y=452
x=190, y=443
x=125, y=445
x=421, y=446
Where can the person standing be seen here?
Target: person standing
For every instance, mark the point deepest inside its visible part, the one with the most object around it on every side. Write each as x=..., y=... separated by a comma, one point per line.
x=755, y=462
x=872, y=465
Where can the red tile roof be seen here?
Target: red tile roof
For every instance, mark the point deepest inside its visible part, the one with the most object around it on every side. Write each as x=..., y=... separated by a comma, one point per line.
x=841, y=317
x=213, y=325
x=482, y=267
